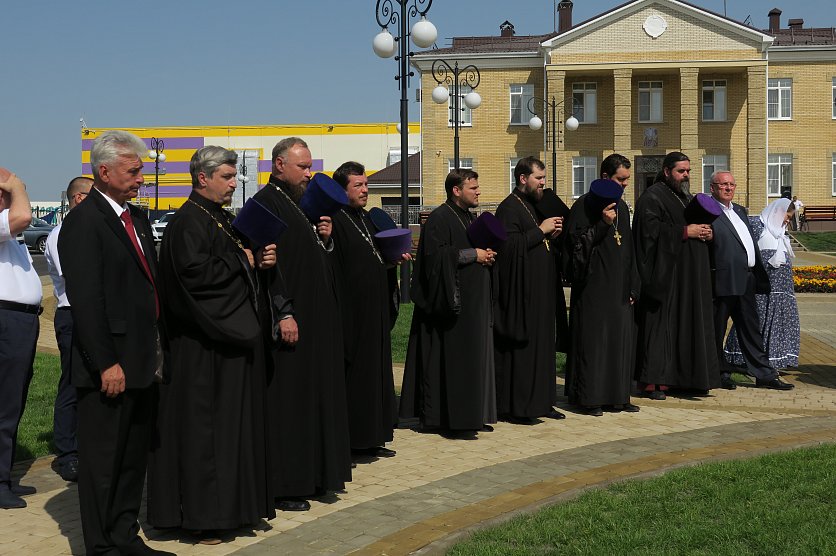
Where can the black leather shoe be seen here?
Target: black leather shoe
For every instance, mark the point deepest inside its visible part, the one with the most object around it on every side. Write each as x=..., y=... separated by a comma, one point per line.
x=382, y=452
x=555, y=414
x=68, y=471
x=486, y=428
x=21, y=490
x=142, y=549
x=656, y=395
x=774, y=384
x=728, y=383
x=595, y=411
x=628, y=407
x=292, y=505
x=9, y=500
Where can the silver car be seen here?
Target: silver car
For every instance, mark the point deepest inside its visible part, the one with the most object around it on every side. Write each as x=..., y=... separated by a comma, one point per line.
x=158, y=227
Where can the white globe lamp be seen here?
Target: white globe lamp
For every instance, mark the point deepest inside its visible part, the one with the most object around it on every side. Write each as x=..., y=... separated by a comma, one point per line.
x=440, y=94
x=424, y=33
x=384, y=44
x=472, y=100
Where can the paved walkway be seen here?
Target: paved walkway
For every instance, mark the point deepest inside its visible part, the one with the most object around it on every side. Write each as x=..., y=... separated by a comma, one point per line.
x=437, y=489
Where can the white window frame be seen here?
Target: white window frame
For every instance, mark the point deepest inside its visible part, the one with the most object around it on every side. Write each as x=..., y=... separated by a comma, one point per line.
x=717, y=102
x=779, y=99
x=466, y=113
x=523, y=93
x=513, y=164
x=653, y=93
x=712, y=163
x=778, y=174
x=833, y=188
x=585, y=102
x=464, y=164
x=834, y=98
x=584, y=171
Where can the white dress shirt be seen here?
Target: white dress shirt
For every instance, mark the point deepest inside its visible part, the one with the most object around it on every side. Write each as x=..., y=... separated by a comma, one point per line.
x=119, y=209
x=19, y=280
x=53, y=263
x=742, y=232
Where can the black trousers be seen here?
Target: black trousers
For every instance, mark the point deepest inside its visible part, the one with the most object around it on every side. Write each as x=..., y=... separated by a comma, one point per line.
x=113, y=441
x=18, y=337
x=65, y=418
x=743, y=310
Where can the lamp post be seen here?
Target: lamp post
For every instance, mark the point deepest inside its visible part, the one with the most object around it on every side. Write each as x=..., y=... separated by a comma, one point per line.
x=456, y=78
x=423, y=34
x=243, y=178
x=157, y=155
x=552, y=112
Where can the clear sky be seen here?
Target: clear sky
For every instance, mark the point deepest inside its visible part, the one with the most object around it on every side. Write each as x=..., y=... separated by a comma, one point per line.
x=243, y=62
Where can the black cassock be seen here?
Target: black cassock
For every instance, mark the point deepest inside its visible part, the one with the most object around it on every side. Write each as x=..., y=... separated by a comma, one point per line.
x=306, y=392
x=369, y=305
x=448, y=377
x=602, y=269
x=209, y=466
x=527, y=284
x=675, y=312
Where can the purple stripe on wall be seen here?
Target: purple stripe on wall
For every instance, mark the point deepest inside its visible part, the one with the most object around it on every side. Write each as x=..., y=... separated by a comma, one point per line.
x=267, y=165
x=170, y=143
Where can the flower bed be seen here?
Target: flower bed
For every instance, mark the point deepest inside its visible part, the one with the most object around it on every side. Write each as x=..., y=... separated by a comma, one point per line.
x=814, y=279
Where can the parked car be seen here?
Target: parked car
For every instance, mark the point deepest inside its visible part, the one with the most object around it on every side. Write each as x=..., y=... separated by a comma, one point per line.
x=35, y=234
x=158, y=227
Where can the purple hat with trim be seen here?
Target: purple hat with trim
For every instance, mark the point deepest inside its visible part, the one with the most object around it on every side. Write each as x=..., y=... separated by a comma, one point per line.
x=322, y=197
x=487, y=232
x=381, y=219
x=258, y=224
x=394, y=243
x=602, y=193
x=703, y=209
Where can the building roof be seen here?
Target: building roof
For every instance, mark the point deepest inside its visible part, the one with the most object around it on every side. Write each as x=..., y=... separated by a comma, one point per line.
x=392, y=173
x=812, y=36
x=491, y=44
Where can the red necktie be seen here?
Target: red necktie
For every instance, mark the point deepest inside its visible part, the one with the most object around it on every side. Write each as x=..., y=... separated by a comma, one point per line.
x=129, y=227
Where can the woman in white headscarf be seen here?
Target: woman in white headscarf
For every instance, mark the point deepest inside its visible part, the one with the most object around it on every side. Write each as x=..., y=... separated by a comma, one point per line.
x=777, y=310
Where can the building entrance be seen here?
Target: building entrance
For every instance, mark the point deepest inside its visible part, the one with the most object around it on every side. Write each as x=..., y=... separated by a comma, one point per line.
x=645, y=170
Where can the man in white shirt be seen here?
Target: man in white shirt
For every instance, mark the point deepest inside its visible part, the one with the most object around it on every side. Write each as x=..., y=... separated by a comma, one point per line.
x=799, y=210
x=65, y=420
x=737, y=274
x=20, y=305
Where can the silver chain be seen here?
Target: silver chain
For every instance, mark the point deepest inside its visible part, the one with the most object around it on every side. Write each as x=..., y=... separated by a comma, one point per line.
x=299, y=210
x=366, y=236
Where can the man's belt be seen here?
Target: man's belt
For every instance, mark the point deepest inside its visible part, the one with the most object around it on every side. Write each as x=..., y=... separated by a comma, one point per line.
x=21, y=307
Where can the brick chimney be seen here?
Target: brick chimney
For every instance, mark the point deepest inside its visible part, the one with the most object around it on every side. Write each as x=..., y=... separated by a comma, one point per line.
x=564, y=14
x=796, y=24
x=774, y=20
x=506, y=29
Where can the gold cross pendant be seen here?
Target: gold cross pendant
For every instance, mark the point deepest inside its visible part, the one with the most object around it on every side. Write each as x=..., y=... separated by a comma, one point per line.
x=547, y=244
x=617, y=237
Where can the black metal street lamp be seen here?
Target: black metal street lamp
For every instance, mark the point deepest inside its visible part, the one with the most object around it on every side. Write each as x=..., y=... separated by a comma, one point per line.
x=455, y=78
x=552, y=112
x=243, y=178
x=157, y=155
x=423, y=34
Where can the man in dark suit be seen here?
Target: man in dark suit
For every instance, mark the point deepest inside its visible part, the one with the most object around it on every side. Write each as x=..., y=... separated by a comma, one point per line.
x=737, y=274
x=110, y=265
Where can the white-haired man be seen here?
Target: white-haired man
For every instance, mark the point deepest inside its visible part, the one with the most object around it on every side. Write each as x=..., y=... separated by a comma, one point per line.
x=109, y=264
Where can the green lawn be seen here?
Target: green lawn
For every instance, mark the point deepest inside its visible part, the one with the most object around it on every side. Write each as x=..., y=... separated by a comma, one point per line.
x=34, y=437
x=817, y=241
x=776, y=504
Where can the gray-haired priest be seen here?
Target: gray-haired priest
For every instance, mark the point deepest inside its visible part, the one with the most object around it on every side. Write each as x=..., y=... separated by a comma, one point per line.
x=209, y=467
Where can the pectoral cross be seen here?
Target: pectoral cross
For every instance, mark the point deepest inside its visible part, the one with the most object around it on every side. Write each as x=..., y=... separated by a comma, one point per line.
x=617, y=237
x=546, y=242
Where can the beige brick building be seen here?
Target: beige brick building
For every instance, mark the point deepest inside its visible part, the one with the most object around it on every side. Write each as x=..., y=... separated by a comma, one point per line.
x=643, y=79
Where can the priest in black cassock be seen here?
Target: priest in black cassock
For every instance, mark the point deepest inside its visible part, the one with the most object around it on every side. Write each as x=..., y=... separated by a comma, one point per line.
x=448, y=381
x=527, y=288
x=209, y=467
x=600, y=264
x=369, y=300
x=675, y=311
x=309, y=420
